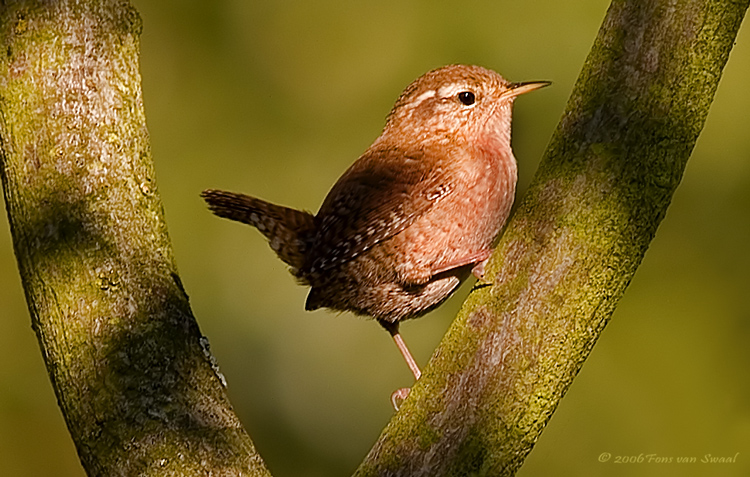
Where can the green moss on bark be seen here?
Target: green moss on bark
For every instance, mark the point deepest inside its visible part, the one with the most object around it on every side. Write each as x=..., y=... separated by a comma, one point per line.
x=129, y=366
x=572, y=247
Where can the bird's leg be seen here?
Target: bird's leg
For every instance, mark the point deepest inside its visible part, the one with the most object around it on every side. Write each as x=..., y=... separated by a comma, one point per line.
x=477, y=259
x=401, y=345
x=400, y=394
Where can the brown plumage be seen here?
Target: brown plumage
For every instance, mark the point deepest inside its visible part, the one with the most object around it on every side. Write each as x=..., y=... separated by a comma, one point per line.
x=410, y=219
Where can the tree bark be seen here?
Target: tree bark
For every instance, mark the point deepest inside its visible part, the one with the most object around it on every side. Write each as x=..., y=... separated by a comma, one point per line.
x=132, y=373
x=572, y=247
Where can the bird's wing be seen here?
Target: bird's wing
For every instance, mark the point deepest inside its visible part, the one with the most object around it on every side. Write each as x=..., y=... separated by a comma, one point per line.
x=379, y=196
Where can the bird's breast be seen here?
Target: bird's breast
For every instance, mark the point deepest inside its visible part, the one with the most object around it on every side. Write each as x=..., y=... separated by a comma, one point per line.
x=462, y=223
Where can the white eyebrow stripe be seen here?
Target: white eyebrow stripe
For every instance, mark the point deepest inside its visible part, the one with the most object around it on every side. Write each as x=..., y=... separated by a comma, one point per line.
x=422, y=97
x=451, y=89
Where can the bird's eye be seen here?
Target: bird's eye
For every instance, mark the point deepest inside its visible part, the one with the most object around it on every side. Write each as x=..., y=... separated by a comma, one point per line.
x=467, y=98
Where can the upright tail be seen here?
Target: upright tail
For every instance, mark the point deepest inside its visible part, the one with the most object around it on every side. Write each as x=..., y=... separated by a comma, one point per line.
x=289, y=231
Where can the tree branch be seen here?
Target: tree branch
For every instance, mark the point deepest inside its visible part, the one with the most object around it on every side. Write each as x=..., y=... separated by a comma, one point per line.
x=131, y=371
x=573, y=246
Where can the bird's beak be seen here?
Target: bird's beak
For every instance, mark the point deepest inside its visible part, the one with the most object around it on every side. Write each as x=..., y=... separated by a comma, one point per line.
x=516, y=89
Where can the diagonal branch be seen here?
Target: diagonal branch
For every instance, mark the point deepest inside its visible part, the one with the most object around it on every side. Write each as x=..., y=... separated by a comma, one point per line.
x=573, y=246
x=132, y=373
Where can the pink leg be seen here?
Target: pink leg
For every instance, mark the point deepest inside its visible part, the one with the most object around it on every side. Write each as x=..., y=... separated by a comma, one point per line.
x=399, y=395
x=478, y=258
x=401, y=345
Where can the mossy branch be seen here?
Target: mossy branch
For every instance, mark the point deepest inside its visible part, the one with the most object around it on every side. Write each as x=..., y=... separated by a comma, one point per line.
x=131, y=371
x=572, y=247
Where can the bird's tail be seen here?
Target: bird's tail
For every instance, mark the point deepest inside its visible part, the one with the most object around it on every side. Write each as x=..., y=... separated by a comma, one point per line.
x=289, y=231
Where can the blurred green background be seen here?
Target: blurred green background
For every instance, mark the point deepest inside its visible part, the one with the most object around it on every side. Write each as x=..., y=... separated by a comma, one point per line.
x=276, y=99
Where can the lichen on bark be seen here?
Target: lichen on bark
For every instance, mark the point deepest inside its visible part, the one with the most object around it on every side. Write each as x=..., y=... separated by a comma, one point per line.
x=125, y=356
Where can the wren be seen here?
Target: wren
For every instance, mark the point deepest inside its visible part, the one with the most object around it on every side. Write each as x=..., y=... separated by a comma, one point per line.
x=411, y=219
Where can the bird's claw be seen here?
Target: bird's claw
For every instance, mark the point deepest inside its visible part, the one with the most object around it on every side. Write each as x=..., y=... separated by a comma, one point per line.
x=398, y=397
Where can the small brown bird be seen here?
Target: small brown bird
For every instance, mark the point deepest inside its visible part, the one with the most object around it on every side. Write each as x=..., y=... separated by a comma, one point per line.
x=415, y=214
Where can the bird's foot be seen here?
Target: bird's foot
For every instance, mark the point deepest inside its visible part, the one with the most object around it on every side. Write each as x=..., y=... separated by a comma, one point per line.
x=399, y=396
x=478, y=269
